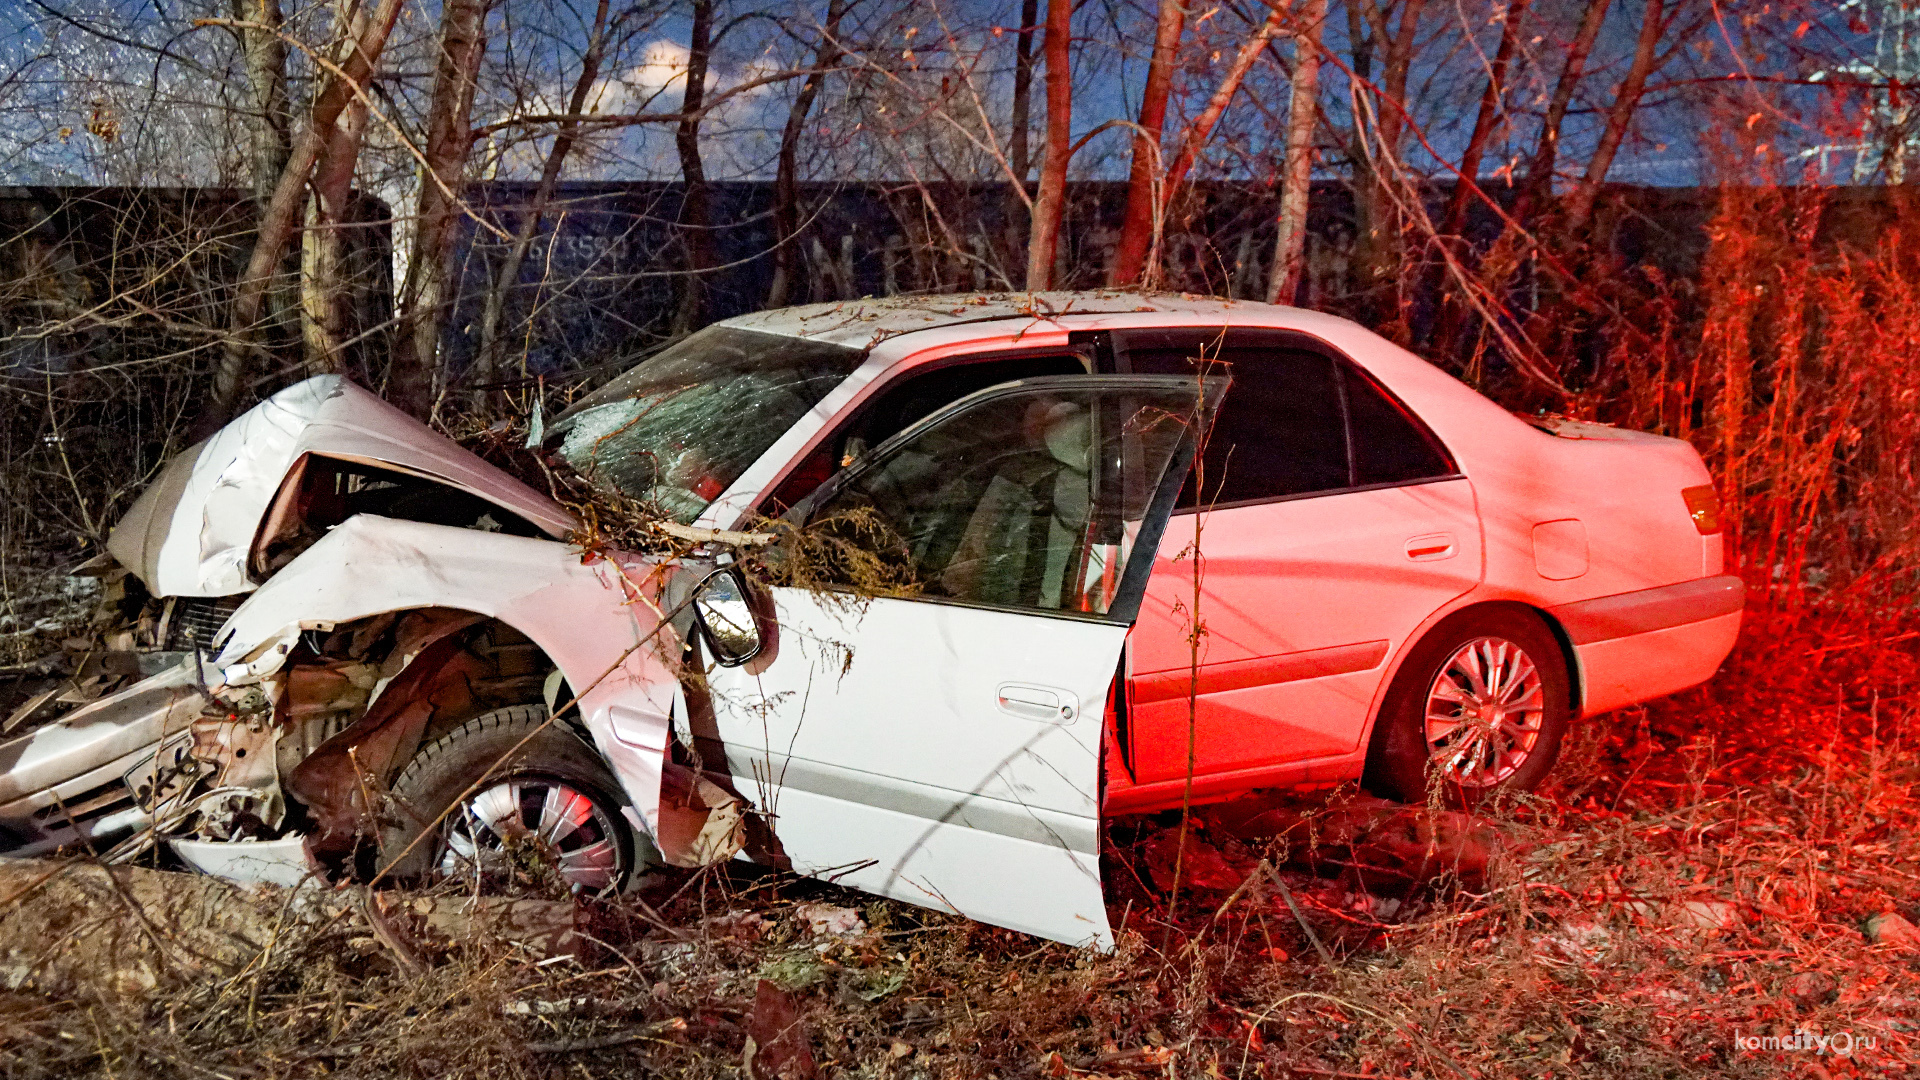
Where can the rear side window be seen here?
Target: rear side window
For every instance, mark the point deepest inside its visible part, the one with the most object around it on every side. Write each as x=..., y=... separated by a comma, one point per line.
x=1296, y=422
x=1389, y=446
x=1279, y=433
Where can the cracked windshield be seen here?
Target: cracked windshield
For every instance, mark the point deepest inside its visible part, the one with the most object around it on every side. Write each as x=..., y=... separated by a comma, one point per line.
x=682, y=426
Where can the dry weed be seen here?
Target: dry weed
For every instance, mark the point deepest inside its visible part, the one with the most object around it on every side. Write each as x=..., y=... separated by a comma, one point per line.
x=1700, y=873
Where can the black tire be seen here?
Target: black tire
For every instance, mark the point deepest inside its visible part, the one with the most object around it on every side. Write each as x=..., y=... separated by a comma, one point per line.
x=1474, y=761
x=554, y=764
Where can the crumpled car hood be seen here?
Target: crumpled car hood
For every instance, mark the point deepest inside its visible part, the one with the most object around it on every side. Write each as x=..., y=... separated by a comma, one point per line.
x=190, y=533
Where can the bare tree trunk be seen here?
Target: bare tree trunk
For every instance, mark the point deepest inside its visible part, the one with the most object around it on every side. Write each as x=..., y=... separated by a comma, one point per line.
x=1049, y=202
x=1198, y=132
x=1490, y=101
x=491, y=345
x=1626, y=100
x=1290, y=244
x=1137, y=226
x=1018, y=200
x=265, y=57
x=1540, y=170
x=281, y=217
x=1503, y=258
x=1017, y=153
x=414, y=374
x=1379, y=242
x=786, y=182
x=1399, y=64
x=323, y=300
x=324, y=294
x=1452, y=308
x=696, y=219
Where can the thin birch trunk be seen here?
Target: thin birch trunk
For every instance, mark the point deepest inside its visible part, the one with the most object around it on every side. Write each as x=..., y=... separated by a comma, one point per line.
x=1290, y=243
x=1137, y=230
x=1049, y=202
x=786, y=181
x=415, y=379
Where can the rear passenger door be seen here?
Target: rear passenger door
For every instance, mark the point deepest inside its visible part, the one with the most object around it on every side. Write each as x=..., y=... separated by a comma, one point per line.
x=1330, y=524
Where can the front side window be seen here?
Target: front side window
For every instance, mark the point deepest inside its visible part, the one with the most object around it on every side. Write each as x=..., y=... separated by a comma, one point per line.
x=903, y=403
x=1032, y=496
x=680, y=427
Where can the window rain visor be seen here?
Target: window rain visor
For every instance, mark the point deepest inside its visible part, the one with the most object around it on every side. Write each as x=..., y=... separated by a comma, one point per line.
x=682, y=426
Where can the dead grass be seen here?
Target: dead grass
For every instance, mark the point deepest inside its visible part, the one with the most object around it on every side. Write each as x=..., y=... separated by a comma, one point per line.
x=1698, y=872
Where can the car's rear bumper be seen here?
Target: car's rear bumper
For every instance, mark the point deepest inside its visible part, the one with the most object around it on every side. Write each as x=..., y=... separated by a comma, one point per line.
x=1636, y=646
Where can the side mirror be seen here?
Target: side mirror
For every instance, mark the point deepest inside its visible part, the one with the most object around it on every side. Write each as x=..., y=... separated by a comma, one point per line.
x=725, y=616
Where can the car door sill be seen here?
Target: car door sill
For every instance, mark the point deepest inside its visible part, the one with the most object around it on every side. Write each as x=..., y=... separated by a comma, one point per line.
x=1217, y=787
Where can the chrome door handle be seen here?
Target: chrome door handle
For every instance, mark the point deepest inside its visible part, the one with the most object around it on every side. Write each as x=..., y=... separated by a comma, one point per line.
x=1036, y=703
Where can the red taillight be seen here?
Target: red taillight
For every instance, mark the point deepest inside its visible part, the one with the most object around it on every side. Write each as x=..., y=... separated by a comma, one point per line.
x=1703, y=505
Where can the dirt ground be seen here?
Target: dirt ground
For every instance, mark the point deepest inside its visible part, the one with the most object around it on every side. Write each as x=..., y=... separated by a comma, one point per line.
x=1722, y=883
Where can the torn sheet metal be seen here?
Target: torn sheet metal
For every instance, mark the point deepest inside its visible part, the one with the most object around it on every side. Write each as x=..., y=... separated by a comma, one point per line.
x=191, y=532
x=700, y=823
x=253, y=862
x=436, y=677
x=585, y=612
x=92, y=773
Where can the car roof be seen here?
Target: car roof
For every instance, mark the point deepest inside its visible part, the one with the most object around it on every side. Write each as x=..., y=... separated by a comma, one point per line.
x=861, y=324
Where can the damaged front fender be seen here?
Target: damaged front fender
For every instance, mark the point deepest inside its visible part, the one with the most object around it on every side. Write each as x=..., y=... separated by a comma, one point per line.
x=595, y=617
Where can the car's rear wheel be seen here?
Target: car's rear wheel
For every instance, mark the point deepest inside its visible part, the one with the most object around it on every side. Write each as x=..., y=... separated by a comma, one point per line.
x=1477, y=709
x=534, y=803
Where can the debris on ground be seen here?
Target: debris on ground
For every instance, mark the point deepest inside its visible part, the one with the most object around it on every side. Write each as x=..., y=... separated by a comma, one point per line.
x=1738, y=862
x=826, y=920
x=1891, y=928
x=123, y=932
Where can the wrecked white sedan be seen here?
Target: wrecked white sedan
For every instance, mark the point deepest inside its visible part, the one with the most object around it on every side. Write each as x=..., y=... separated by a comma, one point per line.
x=885, y=638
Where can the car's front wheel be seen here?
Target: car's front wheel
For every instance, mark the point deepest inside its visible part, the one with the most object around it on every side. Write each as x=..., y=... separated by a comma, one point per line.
x=534, y=802
x=1478, y=708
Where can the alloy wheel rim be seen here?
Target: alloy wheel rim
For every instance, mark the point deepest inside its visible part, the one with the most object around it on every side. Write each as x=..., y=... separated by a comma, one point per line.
x=1485, y=711
x=529, y=822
